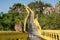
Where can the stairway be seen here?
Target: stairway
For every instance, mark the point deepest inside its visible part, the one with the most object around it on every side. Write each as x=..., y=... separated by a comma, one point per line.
x=30, y=26
x=34, y=35
x=35, y=38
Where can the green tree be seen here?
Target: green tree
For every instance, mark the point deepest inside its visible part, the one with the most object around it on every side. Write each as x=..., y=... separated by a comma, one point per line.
x=13, y=16
x=47, y=5
x=36, y=6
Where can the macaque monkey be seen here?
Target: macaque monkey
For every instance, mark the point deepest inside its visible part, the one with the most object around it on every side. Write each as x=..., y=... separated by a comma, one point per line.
x=18, y=26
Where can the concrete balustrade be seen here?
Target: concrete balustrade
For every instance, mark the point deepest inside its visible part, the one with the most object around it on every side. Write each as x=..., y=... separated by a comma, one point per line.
x=8, y=35
x=59, y=36
x=51, y=34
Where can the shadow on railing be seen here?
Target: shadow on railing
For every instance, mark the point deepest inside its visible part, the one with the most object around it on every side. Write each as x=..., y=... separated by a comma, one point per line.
x=5, y=35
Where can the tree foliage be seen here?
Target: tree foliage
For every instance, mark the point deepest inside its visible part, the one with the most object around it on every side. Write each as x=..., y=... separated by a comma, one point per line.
x=8, y=20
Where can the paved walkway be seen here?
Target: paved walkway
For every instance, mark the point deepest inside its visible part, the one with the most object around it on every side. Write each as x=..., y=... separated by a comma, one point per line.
x=33, y=33
x=35, y=37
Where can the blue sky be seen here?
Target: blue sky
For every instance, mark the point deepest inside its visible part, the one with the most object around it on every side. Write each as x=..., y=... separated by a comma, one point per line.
x=5, y=4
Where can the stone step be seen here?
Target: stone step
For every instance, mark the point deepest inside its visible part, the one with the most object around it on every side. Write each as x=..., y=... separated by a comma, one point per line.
x=35, y=38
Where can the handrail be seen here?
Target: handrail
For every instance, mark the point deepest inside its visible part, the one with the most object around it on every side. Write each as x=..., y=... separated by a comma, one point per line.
x=13, y=35
x=38, y=27
x=51, y=34
x=26, y=19
x=28, y=11
x=53, y=31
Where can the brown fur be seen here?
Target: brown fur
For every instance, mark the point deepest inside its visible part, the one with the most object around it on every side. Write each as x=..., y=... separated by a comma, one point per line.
x=18, y=27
